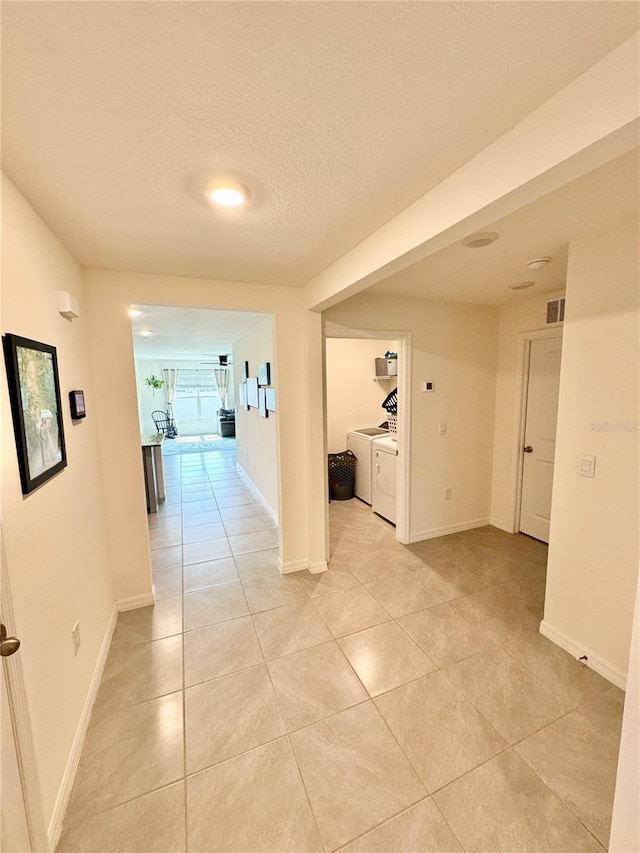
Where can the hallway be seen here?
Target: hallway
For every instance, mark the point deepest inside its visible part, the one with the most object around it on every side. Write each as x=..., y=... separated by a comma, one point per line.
x=402, y=701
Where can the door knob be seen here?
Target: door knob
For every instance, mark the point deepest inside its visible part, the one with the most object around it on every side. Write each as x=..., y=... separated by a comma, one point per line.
x=528, y=449
x=8, y=645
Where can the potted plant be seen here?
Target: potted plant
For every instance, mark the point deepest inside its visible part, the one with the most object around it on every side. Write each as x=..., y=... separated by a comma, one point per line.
x=154, y=383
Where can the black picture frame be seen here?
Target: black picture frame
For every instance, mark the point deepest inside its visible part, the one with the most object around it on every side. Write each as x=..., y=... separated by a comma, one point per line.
x=264, y=373
x=34, y=392
x=77, y=405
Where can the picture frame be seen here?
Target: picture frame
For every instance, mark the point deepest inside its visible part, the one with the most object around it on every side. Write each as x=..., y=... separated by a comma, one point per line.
x=245, y=370
x=271, y=399
x=242, y=395
x=262, y=403
x=34, y=393
x=77, y=405
x=252, y=392
x=264, y=373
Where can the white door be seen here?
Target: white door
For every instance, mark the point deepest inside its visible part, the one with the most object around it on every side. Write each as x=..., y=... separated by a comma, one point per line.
x=14, y=834
x=540, y=436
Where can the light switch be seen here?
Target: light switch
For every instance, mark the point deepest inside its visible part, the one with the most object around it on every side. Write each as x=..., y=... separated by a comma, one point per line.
x=427, y=385
x=587, y=466
x=442, y=428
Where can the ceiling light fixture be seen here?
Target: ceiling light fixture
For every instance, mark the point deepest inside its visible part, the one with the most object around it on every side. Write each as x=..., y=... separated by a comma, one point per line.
x=229, y=194
x=480, y=240
x=538, y=263
x=134, y=313
x=145, y=333
x=521, y=285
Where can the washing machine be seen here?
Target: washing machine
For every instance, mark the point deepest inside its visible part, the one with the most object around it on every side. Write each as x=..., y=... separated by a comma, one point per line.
x=384, y=476
x=359, y=441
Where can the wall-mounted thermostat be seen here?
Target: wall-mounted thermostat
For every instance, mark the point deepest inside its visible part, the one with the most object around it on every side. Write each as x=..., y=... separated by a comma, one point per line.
x=427, y=385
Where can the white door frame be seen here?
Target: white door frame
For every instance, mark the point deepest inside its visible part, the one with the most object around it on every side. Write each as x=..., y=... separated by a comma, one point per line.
x=18, y=707
x=524, y=358
x=403, y=517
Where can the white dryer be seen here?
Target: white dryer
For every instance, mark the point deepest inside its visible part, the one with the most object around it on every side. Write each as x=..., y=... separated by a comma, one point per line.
x=359, y=441
x=384, y=477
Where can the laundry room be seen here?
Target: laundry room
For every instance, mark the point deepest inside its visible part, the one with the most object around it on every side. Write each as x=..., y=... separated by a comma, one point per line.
x=362, y=378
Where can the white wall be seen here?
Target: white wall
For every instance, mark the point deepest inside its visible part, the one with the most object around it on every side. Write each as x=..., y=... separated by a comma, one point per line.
x=455, y=347
x=354, y=397
x=257, y=437
x=55, y=538
x=525, y=314
x=593, y=553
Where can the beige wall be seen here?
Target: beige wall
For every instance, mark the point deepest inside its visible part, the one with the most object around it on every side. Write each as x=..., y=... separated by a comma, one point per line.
x=455, y=347
x=108, y=296
x=593, y=554
x=354, y=397
x=56, y=542
x=522, y=315
x=256, y=437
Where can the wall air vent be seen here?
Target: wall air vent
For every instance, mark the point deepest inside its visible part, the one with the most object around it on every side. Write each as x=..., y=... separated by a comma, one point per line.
x=555, y=311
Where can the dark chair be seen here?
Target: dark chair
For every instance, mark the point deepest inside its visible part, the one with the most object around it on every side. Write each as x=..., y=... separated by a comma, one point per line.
x=227, y=421
x=164, y=423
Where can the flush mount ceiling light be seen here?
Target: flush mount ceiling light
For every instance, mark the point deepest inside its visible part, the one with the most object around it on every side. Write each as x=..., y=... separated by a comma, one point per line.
x=135, y=312
x=538, y=263
x=145, y=333
x=228, y=194
x=521, y=285
x=480, y=240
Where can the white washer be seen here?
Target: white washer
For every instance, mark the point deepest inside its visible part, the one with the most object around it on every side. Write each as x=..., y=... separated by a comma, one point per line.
x=359, y=441
x=384, y=477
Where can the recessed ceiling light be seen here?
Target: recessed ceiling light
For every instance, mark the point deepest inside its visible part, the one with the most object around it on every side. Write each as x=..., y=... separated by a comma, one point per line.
x=135, y=312
x=145, y=333
x=229, y=194
x=480, y=240
x=538, y=263
x=521, y=285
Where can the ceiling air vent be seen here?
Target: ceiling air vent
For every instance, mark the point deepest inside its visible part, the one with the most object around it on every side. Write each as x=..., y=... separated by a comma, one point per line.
x=555, y=311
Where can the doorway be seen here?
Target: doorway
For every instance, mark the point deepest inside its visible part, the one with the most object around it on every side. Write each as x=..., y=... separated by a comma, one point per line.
x=540, y=416
x=351, y=382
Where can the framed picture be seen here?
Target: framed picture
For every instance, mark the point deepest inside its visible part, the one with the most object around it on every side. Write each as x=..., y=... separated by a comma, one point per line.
x=242, y=395
x=245, y=369
x=252, y=392
x=78, y=408
x=264, y=373
x=271, y=399
x=34, y=391
x=262, y=403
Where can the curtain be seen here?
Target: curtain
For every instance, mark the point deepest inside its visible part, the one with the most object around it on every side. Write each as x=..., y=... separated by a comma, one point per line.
x=222, y=381
x=170, y=376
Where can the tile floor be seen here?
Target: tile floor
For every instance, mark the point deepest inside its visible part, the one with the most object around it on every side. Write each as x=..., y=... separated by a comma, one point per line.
x=403, y=701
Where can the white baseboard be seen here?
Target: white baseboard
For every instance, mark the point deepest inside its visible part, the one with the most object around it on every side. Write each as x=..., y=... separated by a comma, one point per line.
x=318, y=568
x=594, y=661
x=450, y=528
x=246, y=479
x=501, y=525
x=68, y=778
x=135, y=601
x=292, y=566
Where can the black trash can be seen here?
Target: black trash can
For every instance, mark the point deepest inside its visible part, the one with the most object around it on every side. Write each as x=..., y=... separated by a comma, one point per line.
x=342, y=475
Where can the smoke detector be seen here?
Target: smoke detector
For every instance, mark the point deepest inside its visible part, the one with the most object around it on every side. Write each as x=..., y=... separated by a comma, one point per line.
x=480, y=240
x=538, y=263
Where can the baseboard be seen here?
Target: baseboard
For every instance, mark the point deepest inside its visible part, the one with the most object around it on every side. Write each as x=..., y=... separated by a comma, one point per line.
x=450, y=528
x=501, y=525
x=68, y=778
x=135, y=601
x=292, y=566
x=246, y=479
x=318, y=568
x=594, y=661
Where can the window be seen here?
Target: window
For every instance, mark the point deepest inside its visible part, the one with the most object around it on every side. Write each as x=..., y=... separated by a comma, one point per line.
x=196, y=395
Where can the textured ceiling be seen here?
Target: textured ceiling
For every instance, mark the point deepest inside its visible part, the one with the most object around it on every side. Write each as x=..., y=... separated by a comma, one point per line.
x=189, y=333
x=457, y=274
x=337, y=115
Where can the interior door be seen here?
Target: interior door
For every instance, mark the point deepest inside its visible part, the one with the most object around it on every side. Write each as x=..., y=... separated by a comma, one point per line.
x=540, y=436
x=14, y=833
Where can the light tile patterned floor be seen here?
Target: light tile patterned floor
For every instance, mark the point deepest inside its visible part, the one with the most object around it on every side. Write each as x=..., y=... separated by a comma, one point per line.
x=403, y=701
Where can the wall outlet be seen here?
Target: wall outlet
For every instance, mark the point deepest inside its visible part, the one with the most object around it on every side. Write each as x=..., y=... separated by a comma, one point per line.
x=246, y=454
x=442, y=428
x=447, y=493
x=75, y=633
